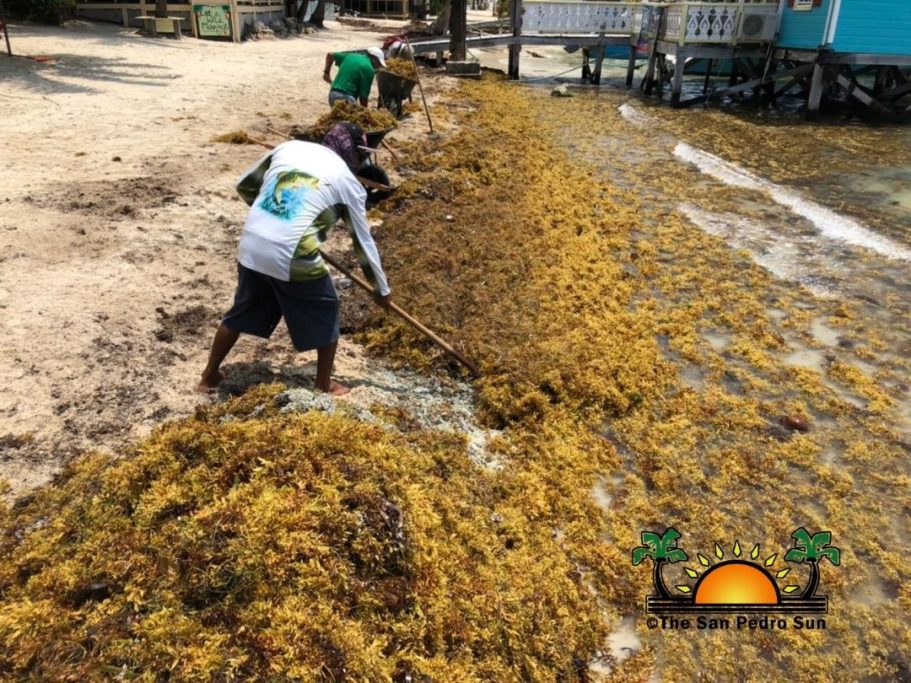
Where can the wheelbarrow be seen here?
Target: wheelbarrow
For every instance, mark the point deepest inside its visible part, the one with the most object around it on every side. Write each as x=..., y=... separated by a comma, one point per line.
x=394, y=89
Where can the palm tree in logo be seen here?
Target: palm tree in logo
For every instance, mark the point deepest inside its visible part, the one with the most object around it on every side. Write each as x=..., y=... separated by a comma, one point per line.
x=662, y=550
x=812, y=549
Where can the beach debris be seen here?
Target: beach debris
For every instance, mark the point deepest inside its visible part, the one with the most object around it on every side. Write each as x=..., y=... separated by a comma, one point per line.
x=463, y=69
x=795, y=423
x=561, y=91
x=257, y=30
x=235, y=137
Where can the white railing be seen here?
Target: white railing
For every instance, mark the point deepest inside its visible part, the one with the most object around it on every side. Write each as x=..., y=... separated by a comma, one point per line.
x=713, y=23
x=720, y=23
x=579, y=16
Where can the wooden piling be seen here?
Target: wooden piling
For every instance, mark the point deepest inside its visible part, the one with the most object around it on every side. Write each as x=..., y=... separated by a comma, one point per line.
x=816, y=86
x=679, y=68
x=631, y=66
x=515, y=20
x=596, y=76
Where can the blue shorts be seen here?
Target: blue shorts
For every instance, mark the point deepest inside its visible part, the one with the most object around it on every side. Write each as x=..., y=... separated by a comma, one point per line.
x=310, y=308
x=336, y=95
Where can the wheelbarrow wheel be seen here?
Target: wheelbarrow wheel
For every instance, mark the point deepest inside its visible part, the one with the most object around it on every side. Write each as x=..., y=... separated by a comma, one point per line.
x=392, y=105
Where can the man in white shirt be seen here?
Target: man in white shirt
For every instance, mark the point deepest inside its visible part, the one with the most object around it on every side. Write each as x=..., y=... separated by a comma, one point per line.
x=296, y=193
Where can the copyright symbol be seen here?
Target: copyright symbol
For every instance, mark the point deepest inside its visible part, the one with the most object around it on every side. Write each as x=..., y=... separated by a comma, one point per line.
x=651, y=622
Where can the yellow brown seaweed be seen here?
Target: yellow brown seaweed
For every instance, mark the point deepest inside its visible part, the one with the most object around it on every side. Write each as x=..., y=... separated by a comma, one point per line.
x=249, y=542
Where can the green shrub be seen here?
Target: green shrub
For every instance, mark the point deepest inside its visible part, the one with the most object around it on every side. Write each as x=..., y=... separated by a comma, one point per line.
x=44, y=11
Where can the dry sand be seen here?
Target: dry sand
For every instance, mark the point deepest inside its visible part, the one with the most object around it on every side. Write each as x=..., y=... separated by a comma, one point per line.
x=119, y=224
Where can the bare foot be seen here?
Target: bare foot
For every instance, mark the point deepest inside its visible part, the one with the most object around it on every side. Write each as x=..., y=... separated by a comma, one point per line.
x=335, y=389
x=209, y=381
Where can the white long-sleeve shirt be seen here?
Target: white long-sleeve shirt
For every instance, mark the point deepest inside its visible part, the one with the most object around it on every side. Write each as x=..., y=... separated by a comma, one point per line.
x=296, y=194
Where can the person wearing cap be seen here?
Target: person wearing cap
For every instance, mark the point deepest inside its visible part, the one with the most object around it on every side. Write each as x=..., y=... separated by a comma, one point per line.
x=355, y=74
x=296, y=194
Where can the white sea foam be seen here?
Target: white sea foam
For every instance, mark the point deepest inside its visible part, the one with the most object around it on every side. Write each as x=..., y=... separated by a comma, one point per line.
x=829, y=223
x=633, y=115
x=788, y=259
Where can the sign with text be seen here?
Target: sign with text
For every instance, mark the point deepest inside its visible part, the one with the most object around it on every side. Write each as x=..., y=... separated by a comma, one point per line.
x=214, y=21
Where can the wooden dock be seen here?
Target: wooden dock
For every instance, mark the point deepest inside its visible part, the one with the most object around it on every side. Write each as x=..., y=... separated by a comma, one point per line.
x=734, y=40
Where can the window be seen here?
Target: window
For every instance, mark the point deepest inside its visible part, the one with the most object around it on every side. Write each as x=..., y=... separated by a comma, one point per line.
x=804, y=5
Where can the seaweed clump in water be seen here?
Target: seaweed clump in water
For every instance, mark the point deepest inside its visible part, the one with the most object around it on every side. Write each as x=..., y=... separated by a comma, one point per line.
x=587, y=307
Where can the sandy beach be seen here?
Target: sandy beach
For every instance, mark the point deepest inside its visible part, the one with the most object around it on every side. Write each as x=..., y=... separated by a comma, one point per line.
x=692, y=333
x=118, y=222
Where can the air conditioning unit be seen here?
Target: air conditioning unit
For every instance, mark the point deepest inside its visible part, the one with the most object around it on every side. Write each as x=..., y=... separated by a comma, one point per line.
x=757, y=26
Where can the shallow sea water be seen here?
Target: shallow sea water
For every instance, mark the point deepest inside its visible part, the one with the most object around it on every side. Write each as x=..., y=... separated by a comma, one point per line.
x=824, y=208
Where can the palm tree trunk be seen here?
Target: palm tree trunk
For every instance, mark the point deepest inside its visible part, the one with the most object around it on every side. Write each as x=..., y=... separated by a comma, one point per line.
x=813, y=583
x=658, y=579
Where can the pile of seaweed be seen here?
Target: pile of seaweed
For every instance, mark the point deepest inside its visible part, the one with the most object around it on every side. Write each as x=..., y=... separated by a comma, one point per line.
x=370, y=120
x=248, y=542
x=235, y=137
x=594, y=313
x=401, y=67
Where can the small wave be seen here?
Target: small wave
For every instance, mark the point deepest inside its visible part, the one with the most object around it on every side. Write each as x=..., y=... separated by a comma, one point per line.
x=785, y=259
x=828, y=222
x=633, y=115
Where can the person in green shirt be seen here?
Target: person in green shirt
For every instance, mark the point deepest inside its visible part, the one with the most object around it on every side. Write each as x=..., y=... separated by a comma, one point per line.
x=355, y=74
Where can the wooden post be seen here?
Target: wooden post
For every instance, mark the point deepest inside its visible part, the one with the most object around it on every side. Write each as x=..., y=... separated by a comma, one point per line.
x=596, y=77
x=662, y=74
x=816, y=85
x=457, y=28
x=679, y=67
x=684, y=11
x=515, y=19
x=648, y=81
x=235, y=22
x=586, y=69
x=417, y=75
x=879, y=84
x=631, y=66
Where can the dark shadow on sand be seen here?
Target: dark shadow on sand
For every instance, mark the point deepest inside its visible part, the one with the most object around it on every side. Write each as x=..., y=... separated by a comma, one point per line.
x=47, y=78
x=241, y=377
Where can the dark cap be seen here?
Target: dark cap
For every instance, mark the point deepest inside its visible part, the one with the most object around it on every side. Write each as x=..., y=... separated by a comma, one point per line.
x=348, y=141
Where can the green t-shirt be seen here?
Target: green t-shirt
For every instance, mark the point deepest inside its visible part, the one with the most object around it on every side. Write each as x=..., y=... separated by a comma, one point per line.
x=355, y=74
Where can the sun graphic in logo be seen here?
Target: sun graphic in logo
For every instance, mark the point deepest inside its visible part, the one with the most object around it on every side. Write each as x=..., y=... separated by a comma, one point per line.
x=737, y=584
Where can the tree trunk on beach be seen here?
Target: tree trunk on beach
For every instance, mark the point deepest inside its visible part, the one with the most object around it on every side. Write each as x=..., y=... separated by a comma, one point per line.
x=319, y=14
x=457, y=28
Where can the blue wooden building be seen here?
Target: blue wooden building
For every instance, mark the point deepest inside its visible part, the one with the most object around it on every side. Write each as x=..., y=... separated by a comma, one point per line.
x=861, y=48
x=861, y=27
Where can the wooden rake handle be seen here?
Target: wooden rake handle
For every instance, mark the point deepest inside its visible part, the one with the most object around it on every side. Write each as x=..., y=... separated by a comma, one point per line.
x=472, y=368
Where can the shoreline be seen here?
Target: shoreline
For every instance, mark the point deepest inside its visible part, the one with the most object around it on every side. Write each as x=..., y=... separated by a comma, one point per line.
x=638, y=377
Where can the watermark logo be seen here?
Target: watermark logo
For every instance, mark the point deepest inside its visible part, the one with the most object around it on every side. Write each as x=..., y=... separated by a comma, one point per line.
x=744, y=583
